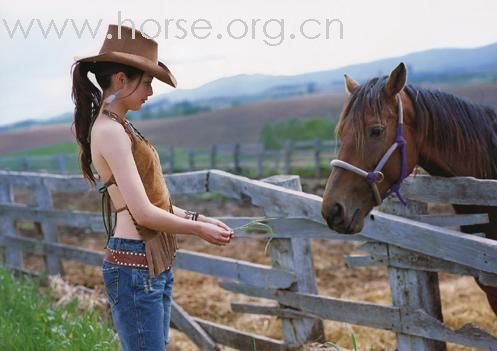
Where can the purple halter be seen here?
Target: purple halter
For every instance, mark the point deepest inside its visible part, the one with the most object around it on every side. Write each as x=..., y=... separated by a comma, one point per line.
x=376, y=176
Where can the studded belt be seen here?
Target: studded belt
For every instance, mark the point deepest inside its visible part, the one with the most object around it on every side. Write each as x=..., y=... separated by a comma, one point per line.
x=126, y=258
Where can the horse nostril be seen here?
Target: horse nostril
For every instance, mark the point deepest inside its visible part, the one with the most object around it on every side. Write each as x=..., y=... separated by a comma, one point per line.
x=334, y=215
x=336, y=210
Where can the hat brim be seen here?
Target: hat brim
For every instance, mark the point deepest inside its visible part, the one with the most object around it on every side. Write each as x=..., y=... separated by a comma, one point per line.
x=157, y=70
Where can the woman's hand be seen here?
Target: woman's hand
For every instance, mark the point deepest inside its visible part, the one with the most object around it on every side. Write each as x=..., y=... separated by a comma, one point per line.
x=214, y=233
x=214, y=221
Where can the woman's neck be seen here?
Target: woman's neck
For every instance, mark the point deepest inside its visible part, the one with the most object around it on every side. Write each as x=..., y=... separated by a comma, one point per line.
x=116, y=108
x=119, y=110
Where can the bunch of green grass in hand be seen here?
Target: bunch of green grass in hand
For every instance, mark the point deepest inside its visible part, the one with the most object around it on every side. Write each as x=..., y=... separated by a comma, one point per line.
x=258, y=226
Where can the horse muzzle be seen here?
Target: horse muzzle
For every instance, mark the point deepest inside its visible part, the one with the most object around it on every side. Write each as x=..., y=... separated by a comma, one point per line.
x=342, y=220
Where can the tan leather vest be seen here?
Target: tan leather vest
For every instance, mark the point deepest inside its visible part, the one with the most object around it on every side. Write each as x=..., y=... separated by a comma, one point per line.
x=160, y=246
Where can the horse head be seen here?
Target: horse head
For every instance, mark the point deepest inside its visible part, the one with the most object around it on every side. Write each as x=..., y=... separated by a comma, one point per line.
x=377, y=150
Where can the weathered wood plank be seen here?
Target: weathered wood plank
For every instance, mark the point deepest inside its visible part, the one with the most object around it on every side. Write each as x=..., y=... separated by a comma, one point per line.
x=188, y=182
x=78, y=219
x=362, y=313
x=241, y=340
x=92, y=222
x=458, y=190
x=453, y=190
x=404, y=320
x=266, y=195
x=296, y=255
x=13, y=257
x=468, y=250
x=38, y=247
x=353, y=261
x=295, y=228
x=420, y=322
x=228, y=268
x=451, y=220
x=416, y=290
x=195, y=262
x=182, y=321
x=49, y=230
x=29, y=179
x=406, y=259
x=270, y=310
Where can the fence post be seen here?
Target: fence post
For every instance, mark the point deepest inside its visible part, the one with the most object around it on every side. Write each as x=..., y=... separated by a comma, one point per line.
x=236, y=159
x=171, y=159
x=317, y=157
x=288, y=149
x=191, y=159
x=295, y=255
x=260, y=160
x=61, y=161
x=13, y=256
x=24, y=164
x=414, y=289
x=213, y=156
x=49, y=229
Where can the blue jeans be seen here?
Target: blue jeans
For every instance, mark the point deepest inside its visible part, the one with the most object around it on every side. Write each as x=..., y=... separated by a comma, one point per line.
x=140, y=305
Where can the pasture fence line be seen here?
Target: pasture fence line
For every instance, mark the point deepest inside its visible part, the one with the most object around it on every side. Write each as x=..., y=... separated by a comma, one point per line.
x=413, y=244
x=311, y=155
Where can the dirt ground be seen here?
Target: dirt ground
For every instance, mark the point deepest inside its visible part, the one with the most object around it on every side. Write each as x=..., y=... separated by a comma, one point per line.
x=463, y=301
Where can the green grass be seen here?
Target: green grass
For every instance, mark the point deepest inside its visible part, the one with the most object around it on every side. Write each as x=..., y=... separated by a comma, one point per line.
x=273, y=135
x=30, y=321
x=69, y=147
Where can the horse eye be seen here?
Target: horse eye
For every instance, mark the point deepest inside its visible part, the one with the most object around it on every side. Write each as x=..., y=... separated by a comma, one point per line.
x=376, y=131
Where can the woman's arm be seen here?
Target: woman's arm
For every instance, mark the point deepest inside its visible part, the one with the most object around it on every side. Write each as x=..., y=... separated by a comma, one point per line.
x=119, y=157
x=178, y=211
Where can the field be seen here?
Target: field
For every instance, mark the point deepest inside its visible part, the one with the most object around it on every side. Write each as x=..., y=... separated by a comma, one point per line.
x=200, y=295
x=240, y=124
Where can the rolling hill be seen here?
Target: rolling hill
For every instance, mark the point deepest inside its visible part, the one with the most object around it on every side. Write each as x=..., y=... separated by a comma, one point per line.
x=226, y=126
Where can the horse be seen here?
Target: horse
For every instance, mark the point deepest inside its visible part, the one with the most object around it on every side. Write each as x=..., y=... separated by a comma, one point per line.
x=387, y=128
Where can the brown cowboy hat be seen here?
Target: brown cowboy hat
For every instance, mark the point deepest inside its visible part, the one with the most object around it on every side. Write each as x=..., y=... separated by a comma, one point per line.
x=139, y=52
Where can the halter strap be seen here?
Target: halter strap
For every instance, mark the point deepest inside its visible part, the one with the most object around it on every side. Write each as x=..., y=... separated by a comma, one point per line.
x=376, y=176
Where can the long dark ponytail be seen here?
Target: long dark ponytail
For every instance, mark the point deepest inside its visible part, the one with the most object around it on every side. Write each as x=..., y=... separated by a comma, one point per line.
x=87, y=100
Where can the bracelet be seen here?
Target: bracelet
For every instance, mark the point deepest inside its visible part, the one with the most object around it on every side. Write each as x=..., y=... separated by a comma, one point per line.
x=191, y=215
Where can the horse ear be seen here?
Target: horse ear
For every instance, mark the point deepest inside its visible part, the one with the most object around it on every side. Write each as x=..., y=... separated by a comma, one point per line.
x=350, y=84
x=396, y=80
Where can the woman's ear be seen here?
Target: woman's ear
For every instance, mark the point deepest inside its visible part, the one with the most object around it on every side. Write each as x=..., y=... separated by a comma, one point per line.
x=119, y=80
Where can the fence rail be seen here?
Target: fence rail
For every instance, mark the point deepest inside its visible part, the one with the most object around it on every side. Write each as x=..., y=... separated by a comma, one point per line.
x=413, y=247
x=312, y=155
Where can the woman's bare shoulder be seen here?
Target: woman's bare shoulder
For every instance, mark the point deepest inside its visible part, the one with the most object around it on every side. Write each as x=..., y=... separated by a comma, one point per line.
x=106, y=129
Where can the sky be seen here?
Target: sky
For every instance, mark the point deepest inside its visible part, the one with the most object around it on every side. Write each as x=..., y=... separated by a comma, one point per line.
x=201, y=41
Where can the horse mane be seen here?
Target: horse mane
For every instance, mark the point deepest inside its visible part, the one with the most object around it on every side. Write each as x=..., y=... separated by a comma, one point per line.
x=461, y=130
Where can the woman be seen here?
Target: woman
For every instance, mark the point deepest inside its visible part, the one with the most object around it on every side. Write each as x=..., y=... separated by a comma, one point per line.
x=141, y=246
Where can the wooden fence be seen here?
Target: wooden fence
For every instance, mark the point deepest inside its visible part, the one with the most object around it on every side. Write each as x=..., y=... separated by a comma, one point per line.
x=413, y=247
x=312, y=155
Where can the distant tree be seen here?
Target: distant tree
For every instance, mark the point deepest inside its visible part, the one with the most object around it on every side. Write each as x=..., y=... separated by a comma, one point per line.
x=273, y=135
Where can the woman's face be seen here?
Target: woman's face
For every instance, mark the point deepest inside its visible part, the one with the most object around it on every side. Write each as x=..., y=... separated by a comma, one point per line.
x=136, y=92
